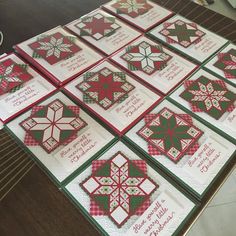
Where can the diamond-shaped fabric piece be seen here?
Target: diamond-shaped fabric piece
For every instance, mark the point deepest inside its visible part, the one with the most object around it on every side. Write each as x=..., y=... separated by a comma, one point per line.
x=97, y=26
x=105, y=87
x=119, y=192
x=182, y=33
x=170, y=134
x=209, y=96
x=12, y=75
x=227, y=63
x=132, y=8
x=146, y=57
x=54, y=48
x=53, y=125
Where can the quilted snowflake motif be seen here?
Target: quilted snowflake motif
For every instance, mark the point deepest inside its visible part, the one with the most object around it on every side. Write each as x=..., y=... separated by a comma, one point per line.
x=54, y=48
x=185, y=34
x=52, y=125
x=119, y=187
x=172, y=135
x=146, y=57
x=97, y=26
x=132, y=8
x=12, y=76
x=209, y=96
x=227, y=63
x=105, y=87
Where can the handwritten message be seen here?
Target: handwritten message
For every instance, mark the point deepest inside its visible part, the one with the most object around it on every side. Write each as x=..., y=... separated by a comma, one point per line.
x=205, y=45
x=230, y=120
x=24, y=97
x=132, y=107
x=157, y=218
x=206, y=160
x=80, y=150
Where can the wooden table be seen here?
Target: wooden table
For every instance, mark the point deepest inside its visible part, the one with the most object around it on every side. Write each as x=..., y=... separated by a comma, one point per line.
x=31, y=204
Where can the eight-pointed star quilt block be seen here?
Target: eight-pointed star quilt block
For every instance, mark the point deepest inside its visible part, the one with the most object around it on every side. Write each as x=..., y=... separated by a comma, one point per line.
x=97, y=26
x=119, y=187
x=209, y=96
x=52, y=125
x=172, y=135
x=12, y=75
x=146, y=57
x=105, y=87
x=227, y=63
x=182, y=33
x=132, y=8
x=54, y=48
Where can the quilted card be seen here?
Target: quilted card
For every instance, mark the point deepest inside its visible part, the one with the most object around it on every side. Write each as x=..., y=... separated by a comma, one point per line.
x=12, y=75
x=146, y=57
x=97, y=26
x=209, y=96
x=105, y=87
x=132, y=8
x=227, y=63
x=52, y=125
x=54, y=48
x=119, y=187
x=170, y=134
x=182, y=33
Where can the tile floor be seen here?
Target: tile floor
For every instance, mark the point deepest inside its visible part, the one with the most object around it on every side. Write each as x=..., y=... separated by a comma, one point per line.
x=218, y=218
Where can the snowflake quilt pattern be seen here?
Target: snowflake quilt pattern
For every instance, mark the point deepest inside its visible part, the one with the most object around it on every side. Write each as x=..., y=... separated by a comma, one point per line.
x=12, y=76
x=97, y=26
x=105, y=87
x=52, y=125
x=119, y=187
x=227, y=63
x=172, y=135
x=182, y=33
x=209, y=96
x=146, y=57
x=132, y=8
x=54, y=48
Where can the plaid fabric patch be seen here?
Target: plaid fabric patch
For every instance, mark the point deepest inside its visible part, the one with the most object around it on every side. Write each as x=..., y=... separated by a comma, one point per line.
x=30, y=141
x=194, y=108
x=154, y=151
x=95, y=210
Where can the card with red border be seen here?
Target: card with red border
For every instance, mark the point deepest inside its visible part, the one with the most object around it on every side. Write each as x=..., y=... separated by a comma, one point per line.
x=210, y=98
x=189, y=150
x=188, y=38
x=20, y=86
x=112, y=95
x=103, y=31
x=60, y=135
x=154, y=64
x=119, y=192
x=58, y=54
x=224, y=64
x=143, y=14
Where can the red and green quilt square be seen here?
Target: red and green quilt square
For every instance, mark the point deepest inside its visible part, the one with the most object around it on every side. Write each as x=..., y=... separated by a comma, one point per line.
x=132, y=8
x=97, y=26
x=146, y=57
x=52, y=125
x=12, y=75
x=54, y=48
x=105, y=87
x=119, y=187
x=227, y=63
x=172, y=135
x=209, y=96
x=182, y=33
